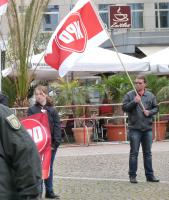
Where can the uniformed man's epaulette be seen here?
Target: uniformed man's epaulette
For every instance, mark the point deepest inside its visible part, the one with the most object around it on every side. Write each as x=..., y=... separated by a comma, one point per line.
x=13, y=121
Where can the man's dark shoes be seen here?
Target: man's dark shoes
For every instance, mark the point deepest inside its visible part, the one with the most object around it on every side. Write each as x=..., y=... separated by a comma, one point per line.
x=133, y=179
x=152, y=179
x=51, y=195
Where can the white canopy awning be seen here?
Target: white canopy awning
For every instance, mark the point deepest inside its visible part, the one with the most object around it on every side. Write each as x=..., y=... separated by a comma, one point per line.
x=94, y=61
x=149, y=50
x=159, y=61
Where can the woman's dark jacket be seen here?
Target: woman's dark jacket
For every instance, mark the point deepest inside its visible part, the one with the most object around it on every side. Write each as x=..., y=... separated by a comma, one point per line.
x=136, y=117
x=20, y=164
x=54, y=121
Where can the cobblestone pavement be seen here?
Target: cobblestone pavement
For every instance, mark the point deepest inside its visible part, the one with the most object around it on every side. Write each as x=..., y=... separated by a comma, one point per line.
x=101, y=173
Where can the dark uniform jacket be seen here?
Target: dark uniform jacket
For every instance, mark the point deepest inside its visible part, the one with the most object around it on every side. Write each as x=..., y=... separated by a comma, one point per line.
x=136, y=117
x=20, y=165
x=54, y=121
x=3, y=99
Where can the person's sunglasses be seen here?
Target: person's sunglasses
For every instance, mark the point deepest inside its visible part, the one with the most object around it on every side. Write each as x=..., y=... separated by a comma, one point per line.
x=139, y=83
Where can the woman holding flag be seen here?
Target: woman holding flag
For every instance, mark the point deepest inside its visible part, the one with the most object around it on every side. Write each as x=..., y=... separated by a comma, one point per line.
x=44, y=104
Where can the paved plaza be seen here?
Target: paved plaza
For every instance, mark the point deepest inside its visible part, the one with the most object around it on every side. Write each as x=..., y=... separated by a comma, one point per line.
x=100, y=172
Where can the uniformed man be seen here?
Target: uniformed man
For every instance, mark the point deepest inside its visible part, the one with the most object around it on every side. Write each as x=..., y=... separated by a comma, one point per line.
x=20, y=165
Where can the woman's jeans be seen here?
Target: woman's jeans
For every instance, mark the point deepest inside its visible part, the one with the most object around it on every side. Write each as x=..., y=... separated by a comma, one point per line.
x=144, y=138
x=49, y=182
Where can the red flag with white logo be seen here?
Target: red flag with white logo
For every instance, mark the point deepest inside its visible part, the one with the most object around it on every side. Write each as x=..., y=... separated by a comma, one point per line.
x=3, y=6
x=79, y=30
x=38, y=127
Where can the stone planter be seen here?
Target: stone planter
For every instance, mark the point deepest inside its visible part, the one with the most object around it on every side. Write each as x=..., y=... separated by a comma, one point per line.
x=116, y=132
x=83, y=135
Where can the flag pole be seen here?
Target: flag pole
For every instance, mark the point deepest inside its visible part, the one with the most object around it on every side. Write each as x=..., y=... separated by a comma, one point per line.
x=125, y=69
x=121, y=62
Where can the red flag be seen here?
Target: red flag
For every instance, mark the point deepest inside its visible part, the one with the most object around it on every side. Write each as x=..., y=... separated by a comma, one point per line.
x=3, y=6
x=80, y=29
x=38, y=127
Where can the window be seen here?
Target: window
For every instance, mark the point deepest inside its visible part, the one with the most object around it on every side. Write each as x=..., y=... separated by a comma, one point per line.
x=162, y=15
x=51, y=18
x=137, y=15
x=103, y=12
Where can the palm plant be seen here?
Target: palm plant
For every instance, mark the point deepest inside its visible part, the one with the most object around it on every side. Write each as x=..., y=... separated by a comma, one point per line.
x=163, y=93
x=114, y=87
x=159, y=86
x=9, y=90
x=23, y=29
x=69, y=93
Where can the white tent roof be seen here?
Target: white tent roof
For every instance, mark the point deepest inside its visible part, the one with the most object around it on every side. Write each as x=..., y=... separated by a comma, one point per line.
x=151, y=49
x=93, y=61
x=159, y=61
x=103, y=60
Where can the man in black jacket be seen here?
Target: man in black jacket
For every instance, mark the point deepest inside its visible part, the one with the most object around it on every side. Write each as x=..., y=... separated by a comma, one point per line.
x=141, y=108
x=20, y=165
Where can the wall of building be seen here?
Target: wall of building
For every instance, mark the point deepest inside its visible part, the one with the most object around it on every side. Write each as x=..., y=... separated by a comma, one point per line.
x=126, y=40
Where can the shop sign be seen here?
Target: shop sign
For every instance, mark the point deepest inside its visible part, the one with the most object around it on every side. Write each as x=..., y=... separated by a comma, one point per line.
x=120, y=17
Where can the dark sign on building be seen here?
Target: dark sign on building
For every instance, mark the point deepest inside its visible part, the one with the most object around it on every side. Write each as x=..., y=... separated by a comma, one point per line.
x=120, y=17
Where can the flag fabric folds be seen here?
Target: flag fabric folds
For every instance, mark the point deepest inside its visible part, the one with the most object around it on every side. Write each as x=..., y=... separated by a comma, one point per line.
x=3, y=6
x=80, y=30
x=37, y=126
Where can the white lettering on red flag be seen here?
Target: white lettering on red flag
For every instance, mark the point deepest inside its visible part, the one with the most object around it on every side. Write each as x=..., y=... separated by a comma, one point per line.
x=80, y=29
x=72, y=37
x=38, y=128
x=3, y=6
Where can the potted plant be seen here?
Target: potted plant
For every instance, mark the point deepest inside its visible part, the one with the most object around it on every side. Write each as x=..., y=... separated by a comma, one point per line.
x=161, y=123
x=160, y=87
x=115, y=87
x=73, y=95
x=83, y=128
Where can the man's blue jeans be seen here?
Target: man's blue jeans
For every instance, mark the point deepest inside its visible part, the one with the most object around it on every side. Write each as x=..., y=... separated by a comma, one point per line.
x=144, y=138
x=49, y=181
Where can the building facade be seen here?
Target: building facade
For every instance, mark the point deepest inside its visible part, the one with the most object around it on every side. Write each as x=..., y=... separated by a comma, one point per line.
x=149, y=30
